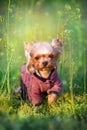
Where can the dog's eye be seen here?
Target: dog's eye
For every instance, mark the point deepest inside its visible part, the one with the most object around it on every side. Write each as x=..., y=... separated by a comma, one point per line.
x=51, y=56
x=37, y=58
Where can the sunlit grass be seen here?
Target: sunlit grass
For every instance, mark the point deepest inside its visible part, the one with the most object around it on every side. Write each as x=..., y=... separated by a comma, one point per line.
x=19, y=113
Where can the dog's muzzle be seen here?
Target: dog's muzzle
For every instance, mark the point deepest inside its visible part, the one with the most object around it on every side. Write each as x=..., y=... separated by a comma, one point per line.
x=45, y=63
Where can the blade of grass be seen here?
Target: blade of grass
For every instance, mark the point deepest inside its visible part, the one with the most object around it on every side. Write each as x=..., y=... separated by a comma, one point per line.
x=7, y=49
x=85, y=74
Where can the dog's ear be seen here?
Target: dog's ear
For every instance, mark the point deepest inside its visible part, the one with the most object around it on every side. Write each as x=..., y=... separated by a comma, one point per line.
x=57, y=44
x=27, y=48
x=57, y=47
x=60, y=40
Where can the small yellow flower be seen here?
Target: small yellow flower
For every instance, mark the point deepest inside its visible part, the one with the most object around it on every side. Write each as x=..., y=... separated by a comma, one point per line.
x=79, y=16
x=67, y=7
x=78, y=10
x=1, y=54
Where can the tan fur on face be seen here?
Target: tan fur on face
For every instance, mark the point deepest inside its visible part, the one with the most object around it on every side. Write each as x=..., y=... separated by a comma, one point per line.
x=40, y=52
x=38, y=60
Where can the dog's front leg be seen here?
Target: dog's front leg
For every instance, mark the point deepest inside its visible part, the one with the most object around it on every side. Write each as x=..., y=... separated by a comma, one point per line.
x=52, y=98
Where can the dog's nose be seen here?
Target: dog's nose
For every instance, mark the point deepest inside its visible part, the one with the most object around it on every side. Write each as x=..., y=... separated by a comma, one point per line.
x=45, y=63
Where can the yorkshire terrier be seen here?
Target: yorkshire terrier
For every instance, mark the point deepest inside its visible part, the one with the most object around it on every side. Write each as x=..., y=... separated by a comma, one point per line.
x=39, y=75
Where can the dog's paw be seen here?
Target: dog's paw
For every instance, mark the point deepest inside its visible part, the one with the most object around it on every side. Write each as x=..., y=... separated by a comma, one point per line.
x=52, y=98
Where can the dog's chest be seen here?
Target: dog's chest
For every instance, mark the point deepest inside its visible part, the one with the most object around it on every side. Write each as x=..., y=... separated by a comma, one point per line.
x=44, y=86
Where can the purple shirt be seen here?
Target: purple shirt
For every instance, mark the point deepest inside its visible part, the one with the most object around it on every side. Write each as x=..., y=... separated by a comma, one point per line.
x=37, y=85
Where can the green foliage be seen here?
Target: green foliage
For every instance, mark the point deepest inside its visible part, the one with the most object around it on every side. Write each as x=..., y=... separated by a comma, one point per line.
x=16, y=114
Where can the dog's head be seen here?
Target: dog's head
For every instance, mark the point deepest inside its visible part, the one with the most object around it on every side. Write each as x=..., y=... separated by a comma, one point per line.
x=42, y=56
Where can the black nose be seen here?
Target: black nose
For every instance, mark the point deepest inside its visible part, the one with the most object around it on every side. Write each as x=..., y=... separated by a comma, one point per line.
x=45, y=63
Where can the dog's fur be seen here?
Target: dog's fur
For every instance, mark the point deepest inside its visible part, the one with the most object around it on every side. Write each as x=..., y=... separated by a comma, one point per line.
x=31, y=49
x=42, y=59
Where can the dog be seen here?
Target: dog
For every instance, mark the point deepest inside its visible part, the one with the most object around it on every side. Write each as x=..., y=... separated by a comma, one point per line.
x=39, y=76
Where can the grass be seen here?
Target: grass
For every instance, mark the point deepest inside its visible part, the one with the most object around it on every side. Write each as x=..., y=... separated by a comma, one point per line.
x=19, y=115
x=39, y=21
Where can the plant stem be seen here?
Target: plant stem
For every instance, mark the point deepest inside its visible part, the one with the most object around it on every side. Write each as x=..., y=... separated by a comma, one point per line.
x=71, y=78
x=7, y=49
x=85, y=74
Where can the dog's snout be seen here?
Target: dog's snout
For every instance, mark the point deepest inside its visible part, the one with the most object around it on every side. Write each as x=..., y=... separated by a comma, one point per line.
x=45, y=63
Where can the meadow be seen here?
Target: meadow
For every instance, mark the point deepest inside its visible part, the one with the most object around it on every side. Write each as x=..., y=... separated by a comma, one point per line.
x=43, y=20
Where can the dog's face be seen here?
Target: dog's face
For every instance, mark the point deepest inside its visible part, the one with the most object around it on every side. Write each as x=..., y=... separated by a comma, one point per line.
x=42, y=55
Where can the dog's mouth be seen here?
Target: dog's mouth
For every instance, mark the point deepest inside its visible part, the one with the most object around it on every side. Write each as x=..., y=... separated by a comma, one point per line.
x=47, y=68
